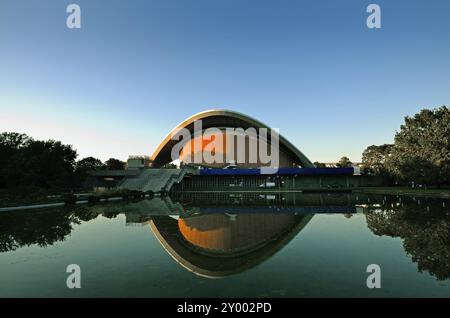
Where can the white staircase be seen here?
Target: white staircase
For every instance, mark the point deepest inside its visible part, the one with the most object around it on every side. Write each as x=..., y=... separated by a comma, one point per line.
x=155, y=180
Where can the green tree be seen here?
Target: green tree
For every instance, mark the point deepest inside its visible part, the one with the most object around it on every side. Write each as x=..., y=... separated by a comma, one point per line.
x=344, y=162
x=12, y=140
x=82, y=168
x=421, y=151
x=114, y=164
x=46, y=164
x=319, y=164
x=10, y=144
x=375, y=159
x=89, y=164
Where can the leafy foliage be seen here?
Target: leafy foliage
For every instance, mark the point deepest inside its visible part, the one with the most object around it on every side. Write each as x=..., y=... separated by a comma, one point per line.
x=344, y=162
x=420, y=153
x=34, y=163
x=114, y=164
x=89, y=164
x=422, y=148
x=319, y=164
x=374, y=159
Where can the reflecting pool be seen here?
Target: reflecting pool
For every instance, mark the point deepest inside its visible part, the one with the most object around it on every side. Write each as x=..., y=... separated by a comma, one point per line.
x=230, y=245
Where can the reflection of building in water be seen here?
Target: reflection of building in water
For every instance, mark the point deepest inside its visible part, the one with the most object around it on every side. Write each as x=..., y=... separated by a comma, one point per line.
x=224, y=234
x=282, y=202
x=217, y=245
x=188, y=204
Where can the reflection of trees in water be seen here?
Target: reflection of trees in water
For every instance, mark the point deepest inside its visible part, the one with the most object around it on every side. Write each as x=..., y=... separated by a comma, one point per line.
x=43, y=228
x=425, y=232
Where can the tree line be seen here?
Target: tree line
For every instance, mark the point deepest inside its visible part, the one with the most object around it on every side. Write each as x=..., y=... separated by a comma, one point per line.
x=420, y=154
x=44, y=164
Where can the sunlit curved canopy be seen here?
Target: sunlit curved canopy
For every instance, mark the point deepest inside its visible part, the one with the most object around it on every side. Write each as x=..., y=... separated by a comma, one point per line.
x=220, y=119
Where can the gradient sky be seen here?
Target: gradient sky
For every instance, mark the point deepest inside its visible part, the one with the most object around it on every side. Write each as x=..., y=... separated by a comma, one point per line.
x=136, y=69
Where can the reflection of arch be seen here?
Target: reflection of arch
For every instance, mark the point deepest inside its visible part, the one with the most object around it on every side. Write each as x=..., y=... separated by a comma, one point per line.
x=223, y=118
x=222, y=257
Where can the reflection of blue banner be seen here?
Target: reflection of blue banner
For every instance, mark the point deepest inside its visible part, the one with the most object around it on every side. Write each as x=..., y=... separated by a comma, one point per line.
x=281, y=171
x=267, y=209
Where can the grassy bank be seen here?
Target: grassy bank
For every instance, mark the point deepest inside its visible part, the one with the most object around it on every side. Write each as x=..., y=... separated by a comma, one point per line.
x=435, y=193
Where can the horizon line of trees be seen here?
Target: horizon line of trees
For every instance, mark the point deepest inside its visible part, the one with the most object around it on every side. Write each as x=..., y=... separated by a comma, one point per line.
x=420, y=153
x=45, y=164
x=344, y=162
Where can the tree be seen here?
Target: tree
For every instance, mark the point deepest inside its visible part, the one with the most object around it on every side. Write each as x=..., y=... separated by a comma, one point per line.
x=12, y=140
x=10, y=143
x=421, y=151
x=114, y=164
x=344, y=162
x=82, y=168
x=319, y=164
x=89, y=164
x=46, y=164
x=375, y=159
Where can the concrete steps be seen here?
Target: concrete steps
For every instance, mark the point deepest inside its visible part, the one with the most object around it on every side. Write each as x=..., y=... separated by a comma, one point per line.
x=155, y=180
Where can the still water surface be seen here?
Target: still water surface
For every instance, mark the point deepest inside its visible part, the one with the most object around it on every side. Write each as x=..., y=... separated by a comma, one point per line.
x=230, y=245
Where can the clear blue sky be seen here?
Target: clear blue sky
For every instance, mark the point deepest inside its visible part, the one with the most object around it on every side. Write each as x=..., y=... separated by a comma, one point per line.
x=136, y=69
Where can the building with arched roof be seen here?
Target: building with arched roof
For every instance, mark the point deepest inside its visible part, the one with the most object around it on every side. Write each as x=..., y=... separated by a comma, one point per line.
x=249, y=149
x=289, y=155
